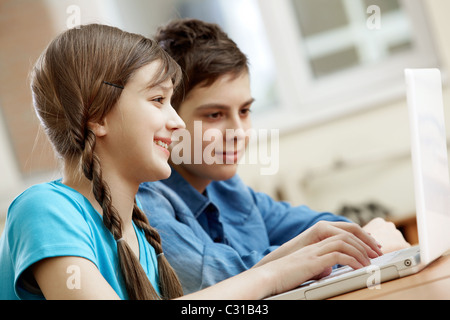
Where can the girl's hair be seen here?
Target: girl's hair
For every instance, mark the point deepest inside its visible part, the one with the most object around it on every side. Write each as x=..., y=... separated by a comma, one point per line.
x=69, y=89
x=204, y=52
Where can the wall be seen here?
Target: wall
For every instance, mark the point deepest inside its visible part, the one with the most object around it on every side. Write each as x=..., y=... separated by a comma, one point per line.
x=26, y=29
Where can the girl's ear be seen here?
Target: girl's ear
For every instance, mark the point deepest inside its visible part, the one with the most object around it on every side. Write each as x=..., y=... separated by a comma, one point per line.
x=99, y=128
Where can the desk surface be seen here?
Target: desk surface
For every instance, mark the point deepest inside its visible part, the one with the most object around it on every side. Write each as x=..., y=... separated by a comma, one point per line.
x=432, y=283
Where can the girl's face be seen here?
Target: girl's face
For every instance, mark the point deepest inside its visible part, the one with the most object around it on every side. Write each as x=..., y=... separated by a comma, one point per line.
x=138, y=130
x=223, y=110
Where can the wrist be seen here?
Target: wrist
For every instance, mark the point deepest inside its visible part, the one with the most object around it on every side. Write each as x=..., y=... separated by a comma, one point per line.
x=269, y=277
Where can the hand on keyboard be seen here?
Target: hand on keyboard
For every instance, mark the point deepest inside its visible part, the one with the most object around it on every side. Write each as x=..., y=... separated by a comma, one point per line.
x=387, y=235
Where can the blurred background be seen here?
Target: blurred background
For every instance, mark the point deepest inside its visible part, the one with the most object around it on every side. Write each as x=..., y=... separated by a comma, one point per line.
x=328, y=74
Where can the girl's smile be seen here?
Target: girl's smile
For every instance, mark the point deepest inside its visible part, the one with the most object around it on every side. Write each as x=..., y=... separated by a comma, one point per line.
x=163, y=143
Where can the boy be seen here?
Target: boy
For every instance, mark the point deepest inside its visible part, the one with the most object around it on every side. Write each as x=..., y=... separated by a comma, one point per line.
x=212, y=225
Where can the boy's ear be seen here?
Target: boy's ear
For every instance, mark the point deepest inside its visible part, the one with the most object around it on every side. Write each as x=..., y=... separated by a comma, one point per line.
x=99, y=128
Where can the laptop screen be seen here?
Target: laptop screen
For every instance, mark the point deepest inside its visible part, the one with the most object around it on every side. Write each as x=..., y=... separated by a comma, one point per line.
x=430, y=161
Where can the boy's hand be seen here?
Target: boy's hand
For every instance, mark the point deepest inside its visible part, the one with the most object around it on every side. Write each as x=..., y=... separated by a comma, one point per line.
x=390, y=238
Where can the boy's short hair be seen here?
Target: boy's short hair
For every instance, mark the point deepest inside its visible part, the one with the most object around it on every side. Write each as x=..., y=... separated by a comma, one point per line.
x=204, y=52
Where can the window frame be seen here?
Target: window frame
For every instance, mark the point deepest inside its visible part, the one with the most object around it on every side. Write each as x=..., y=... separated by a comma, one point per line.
x=306, y=100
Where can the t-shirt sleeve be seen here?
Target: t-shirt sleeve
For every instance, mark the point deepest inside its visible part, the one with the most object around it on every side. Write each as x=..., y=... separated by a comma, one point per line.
x=43, y=224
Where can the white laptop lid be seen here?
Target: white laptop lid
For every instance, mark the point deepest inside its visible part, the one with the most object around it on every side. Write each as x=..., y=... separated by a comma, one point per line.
x=430, y=163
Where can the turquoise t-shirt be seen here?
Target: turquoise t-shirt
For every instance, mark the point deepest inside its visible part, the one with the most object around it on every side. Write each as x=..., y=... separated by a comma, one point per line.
x=50, y=220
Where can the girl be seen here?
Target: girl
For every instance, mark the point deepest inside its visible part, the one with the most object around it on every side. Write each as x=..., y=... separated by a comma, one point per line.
x=103, y=98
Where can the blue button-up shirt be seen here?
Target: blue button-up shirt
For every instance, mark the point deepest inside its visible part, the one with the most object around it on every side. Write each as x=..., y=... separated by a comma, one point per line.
x=226, y=230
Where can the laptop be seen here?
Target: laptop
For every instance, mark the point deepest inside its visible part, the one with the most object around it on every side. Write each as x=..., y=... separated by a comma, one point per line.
x=432, y=195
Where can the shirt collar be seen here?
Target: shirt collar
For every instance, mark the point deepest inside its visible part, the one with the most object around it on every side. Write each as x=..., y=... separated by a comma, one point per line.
x=196, y=201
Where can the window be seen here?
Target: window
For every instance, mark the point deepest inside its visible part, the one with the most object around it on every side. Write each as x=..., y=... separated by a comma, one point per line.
x=340, y=56
x=339, y=35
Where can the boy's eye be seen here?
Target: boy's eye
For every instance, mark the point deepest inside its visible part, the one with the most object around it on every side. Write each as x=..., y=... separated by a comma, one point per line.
x=245, y=111
x=215, y=115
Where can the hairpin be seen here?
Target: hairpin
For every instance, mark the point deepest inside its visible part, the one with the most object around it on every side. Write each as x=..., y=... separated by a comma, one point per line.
x=113, y=84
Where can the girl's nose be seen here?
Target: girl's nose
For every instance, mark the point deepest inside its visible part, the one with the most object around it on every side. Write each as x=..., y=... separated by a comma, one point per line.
x=175, y=122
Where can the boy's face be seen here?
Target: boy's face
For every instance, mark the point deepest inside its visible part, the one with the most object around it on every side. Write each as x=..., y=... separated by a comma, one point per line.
x=221, y=113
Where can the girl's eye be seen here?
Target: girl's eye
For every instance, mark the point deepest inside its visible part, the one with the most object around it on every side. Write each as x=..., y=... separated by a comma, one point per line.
x=245, y=111
x=158, y=100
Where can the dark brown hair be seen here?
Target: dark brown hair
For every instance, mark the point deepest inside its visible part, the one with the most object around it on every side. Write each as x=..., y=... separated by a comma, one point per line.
x=68, y=90
x=203, y=51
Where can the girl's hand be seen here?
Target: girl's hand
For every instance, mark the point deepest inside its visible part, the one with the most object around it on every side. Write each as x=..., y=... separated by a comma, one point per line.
x=316, y=260
x=323, y=230
x=292, y=269
x=311, y=255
